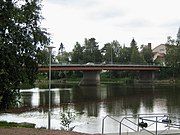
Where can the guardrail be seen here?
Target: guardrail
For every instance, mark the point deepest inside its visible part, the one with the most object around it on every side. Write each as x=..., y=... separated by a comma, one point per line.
x=144, y=121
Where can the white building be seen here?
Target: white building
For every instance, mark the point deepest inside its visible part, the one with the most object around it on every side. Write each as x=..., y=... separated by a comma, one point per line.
x=159, y=53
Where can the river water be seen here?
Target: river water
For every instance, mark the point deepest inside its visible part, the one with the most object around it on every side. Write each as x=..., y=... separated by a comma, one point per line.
x=92, y=104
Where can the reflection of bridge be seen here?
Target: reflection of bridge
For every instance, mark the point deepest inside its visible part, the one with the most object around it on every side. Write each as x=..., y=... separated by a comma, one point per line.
x=91, y=72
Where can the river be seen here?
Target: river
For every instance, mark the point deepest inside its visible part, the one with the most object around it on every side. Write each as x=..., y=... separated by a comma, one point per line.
x=92, y=104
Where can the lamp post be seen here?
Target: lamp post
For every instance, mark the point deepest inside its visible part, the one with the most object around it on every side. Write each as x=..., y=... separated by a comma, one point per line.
x=49, y=110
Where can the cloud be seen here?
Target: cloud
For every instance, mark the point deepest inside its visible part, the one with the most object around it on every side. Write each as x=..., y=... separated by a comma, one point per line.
x=106, y=20
x=134, y=23
x=171, y=23
x=105, y=14
x=75, y=3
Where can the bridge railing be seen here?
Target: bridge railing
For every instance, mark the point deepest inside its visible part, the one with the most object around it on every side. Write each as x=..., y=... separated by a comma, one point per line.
x=144, y=121
x=101, y=64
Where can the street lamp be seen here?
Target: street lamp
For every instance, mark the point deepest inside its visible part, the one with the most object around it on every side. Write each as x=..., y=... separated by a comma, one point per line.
x=49, y=111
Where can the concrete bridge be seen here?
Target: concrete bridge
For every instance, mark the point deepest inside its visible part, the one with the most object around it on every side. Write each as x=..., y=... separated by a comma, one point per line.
x=91, y=72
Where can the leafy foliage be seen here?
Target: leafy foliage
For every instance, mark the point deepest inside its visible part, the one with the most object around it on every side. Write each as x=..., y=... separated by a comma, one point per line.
x=147, y=54
x=125, y=55
x=107, y=53
x=66, y=120
x=21, y=39
x=110, y=52
x=77, y=54
x=91, y=52
x=6, y=124
x=173, y=59
x=135, y=55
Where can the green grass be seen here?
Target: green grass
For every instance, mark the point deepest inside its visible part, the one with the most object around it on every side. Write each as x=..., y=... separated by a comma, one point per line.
x=6, y=124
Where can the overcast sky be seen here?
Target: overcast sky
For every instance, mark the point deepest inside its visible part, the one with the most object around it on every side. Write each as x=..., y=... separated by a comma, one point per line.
x=148, y=21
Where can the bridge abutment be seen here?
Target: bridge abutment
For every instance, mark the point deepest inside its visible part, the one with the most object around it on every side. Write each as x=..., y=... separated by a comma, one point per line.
x=90, y=78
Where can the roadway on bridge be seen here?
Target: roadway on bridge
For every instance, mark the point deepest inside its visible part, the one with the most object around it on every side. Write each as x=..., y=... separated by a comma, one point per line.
x=99, y=67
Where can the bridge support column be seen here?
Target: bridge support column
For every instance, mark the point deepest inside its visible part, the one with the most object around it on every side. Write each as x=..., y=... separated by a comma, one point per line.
x=90, y=78
x=153, y=76
x=146, y=76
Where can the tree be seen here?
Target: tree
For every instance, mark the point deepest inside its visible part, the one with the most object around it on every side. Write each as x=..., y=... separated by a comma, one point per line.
x=91, y=52
x=107, y=53
x=77, y=54
x=170, y=41
x=21, y=38
x=115, y=51
x=110, y=52
x=135, y=55
x=178, y=37
x=124, y=55
x=172, y=57
x=147, y=54
x=61, y=49
x=43, y=57
x=64, y=58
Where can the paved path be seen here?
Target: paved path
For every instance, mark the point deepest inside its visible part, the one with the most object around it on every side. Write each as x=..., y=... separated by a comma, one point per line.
x=168, y=132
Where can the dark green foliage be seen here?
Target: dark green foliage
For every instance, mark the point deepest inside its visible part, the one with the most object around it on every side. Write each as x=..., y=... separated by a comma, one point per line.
x=147, y=54
x=43, y=57
x=110, y=52
x=77, y=54
x=136, y=58
x=173, y=59
x=63, y=58
x=125, y=55
x=14, y=124
x=91, y=52
x=21, y=39
x=165, y=73
x=61, y=49
x=107, y=53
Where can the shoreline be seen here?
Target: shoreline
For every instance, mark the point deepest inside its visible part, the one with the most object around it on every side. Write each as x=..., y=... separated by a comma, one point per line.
x=35, y=131
x=113, y=81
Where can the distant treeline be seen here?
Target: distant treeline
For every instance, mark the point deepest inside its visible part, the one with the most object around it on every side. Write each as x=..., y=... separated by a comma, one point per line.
x=114, y=53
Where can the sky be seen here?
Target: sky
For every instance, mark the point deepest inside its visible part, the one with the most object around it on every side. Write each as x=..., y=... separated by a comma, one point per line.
x=147, y=21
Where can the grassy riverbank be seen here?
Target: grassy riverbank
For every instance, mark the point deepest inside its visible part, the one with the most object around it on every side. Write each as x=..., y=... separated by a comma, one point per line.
x=12, y=128
x=5, y=124
x=34, y=131
x=75, y=81
x=123, y=81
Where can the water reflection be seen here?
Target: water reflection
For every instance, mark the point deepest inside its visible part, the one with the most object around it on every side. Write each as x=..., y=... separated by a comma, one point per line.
x=96, y=102
x=114, y=98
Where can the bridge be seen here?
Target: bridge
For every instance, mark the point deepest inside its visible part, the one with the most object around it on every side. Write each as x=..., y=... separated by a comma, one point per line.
x=91, y=72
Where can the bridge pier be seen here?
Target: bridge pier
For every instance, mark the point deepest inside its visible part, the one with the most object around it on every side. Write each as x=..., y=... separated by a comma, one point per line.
x=146, y=76
x=90, y=78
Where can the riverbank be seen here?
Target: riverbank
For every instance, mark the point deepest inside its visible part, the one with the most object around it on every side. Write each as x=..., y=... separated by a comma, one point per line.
x=34, y=131
x=43, y=84
x=109, y=81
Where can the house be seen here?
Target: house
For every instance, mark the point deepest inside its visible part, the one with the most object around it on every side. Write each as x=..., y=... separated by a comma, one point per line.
x=159, y=53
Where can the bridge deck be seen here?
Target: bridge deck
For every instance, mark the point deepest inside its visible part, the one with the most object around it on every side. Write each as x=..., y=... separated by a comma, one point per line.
x=99, y=67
